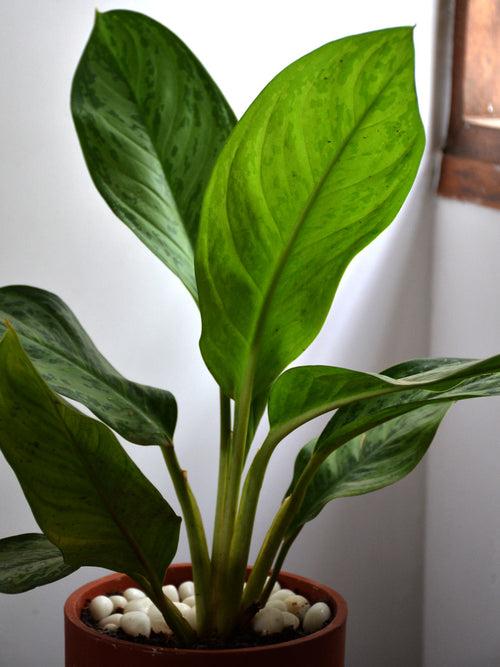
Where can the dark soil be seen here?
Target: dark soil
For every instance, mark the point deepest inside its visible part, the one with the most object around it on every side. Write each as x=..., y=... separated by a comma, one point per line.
x=244, y=638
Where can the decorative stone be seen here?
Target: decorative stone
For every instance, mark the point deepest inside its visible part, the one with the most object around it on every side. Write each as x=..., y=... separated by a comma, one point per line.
x=100, y=607
x=182, y=607
x=186, y=589
x=290, y=620
x=158, y=623
x=298, y=605
x=139, y=604
x=133, y=594
x=282, y=594
x=268, y=621
x=119, y=601
x=136, y=623
x=111, y=627
x=276, y=604
x=190, y=601
x=171, y=593
x=114, y=619
x=316, y=617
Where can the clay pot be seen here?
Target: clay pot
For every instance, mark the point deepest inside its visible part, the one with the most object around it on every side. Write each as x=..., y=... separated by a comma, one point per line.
x=86, y=647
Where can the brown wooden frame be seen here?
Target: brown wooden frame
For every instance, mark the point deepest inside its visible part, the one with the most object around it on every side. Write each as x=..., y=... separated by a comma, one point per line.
x=470, y=167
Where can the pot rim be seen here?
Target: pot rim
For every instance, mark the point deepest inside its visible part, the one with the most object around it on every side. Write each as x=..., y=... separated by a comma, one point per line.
x=73, y=607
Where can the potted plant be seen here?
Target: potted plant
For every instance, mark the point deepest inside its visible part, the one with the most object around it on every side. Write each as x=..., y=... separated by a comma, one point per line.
x=259, y=219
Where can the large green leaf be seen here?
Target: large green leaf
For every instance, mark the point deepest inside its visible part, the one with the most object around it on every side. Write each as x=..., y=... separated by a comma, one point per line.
x=304, y=392
x=70, y=363
x=28, y=561
x=318, y=166
x=376, y=441
x=87, y=495
x=151, y=122
x=371, y=461
x=356, y=418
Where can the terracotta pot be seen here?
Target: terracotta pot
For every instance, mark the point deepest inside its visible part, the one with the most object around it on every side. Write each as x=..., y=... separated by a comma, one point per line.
x=86, y=647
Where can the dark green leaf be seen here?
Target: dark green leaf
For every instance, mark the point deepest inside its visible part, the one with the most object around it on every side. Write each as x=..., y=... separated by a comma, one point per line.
x=151, y=122
x=378, y=440
x=305, y=392
x=70, y=363
x=371, y=461
x=28, y=561
x=87, y=495
x=318, y=166
x=480, y=378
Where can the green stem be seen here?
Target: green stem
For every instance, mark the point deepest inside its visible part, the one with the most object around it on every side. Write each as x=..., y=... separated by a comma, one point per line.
x=277, y=532
x=196, y=536
x=278, y=564
x=183, y=632
x=217, y=574
x=230, y=599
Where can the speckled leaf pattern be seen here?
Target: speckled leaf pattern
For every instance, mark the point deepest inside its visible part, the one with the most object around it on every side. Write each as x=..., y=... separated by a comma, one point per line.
x=305, y=392
x=86, y=494
x=28, y=561
x=70, y=363
x=318, y=166
x=151, y=122
x=358, y=417
x=368, y=462
x=377, y=441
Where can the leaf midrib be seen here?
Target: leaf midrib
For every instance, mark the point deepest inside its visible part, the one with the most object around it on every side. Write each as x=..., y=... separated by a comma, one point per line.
x=256, y=338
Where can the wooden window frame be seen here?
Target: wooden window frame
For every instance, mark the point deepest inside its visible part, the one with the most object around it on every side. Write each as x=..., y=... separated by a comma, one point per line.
x=470, y=167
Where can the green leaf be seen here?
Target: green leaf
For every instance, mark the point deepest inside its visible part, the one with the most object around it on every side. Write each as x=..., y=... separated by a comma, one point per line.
x=305, y=392
x=371, y=461
x=69, y=362
x=479, y=378
x=318, y=166
x=28, y=561
x=151, y=122
x=376, y=441
x=87, y=495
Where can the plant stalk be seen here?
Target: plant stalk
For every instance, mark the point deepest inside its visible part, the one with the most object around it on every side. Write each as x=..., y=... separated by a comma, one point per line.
x=196, y=537
x=277, y=532
x=217, y=573
x=278, y=564
x=183, y=632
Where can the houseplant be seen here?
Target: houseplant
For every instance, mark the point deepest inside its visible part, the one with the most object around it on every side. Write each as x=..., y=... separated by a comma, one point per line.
x=274, y=277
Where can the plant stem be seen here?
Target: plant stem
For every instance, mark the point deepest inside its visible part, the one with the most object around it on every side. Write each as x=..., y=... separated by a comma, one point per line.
x=183, y=632
x=277, y=532
x=278, y=564
x=196, y=536
x=230, y=599
x=217, y=573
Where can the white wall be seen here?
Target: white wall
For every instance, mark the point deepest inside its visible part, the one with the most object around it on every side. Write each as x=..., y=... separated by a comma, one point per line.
x=58, y=234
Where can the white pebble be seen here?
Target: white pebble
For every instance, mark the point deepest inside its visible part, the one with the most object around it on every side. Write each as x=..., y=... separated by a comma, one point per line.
x=276, y=604
x=100, y=607
x=114, y=619
x=290, y=620
x=182, y=607
x=158, y=623
x=190, y=617
x=171, y=593
x=186, y=589
x=139, y=604
x=111, y=627
x=118, y=601
x=136, y=623
x=316, y=616
x=133, y=594
x=190, y=601
x=282, y=594
x=298, y=605
x=268, y=621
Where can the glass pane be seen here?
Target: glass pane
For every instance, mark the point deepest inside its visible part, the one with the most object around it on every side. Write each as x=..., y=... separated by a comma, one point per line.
x=482, y=64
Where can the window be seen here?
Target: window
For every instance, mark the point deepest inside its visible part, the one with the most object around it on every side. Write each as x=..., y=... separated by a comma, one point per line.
x=471, y=162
